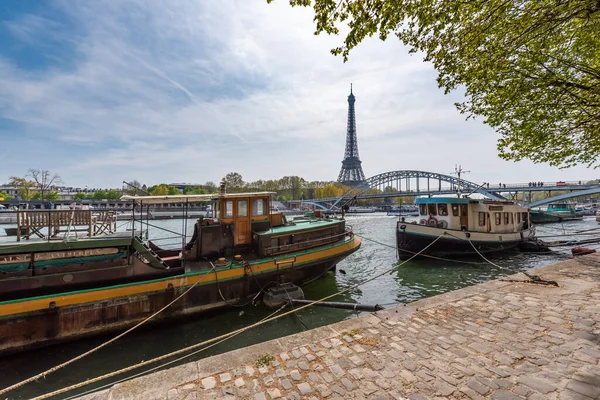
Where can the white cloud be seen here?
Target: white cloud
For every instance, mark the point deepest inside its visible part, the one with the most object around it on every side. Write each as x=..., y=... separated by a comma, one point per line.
x=190, y=90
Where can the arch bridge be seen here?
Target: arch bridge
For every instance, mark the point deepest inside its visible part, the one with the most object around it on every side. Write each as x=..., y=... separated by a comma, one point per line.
x=422, y=183
x=412, y=183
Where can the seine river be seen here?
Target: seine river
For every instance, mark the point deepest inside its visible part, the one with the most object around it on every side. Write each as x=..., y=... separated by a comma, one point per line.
x=409, y=282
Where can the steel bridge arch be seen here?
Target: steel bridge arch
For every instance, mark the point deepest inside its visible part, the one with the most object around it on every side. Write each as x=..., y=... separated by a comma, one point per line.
x=396, y=176
x=564, y=197
x=318, y=205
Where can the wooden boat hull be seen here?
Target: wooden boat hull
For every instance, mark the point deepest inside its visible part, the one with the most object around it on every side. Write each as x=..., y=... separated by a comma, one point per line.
x=412, y=238
x=43, y=320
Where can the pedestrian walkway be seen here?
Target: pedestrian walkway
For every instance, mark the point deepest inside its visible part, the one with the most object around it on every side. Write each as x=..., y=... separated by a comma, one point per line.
x=498, y=340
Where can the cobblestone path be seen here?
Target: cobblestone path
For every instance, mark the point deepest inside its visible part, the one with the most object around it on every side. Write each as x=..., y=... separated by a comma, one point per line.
x=498, y=340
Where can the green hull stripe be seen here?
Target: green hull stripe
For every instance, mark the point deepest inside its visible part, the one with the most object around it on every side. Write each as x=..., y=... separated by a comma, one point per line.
x=61, y=262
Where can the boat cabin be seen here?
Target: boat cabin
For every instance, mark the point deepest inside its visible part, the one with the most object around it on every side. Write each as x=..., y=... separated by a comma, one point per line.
x=472, y=215
x=243, y=223
x=561, y=207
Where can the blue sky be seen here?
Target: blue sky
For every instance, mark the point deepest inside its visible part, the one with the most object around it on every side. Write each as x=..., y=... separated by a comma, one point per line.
x=172, y=91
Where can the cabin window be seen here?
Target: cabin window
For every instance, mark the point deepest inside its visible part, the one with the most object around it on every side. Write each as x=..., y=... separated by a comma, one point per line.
x=258, y=207
x=423, y=209
x=443, y=209
x=512, y=221
x=432, y=209
x=455, y=210
x=506, y=218
x=498, y=218
x=518, y=218
x=524, y=216
x=228, y=209
x=463, y=209
x=481, y=219
x=242, y=208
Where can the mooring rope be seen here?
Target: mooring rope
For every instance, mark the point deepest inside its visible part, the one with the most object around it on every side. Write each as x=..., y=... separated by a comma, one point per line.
x=227, y=335
x=167, y=363
x=87, y=353
x=421, y=255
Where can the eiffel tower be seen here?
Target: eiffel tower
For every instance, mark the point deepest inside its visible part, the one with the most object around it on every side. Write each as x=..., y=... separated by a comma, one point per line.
x=351, y=173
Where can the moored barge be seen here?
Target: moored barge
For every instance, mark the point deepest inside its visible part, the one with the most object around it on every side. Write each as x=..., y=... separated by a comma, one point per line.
x=556, y=212
x=62, y=290
x=462, y=227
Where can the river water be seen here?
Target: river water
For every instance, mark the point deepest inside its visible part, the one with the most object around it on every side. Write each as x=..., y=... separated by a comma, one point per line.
x=411, y=281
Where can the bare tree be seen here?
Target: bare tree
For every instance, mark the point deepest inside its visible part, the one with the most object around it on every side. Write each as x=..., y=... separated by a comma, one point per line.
x=44, y=180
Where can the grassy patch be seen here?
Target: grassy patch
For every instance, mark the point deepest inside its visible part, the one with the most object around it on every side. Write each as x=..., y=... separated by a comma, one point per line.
x=369, y=341
x=355, y=331
x=264, y=361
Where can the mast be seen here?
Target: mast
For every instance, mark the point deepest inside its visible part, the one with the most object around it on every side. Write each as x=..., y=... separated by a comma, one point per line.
x=458, y=171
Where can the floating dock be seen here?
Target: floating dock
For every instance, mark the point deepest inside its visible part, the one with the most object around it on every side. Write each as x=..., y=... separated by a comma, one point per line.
x=501, y=340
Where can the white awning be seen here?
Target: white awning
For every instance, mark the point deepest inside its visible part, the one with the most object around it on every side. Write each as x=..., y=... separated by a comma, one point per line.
x=190, y=198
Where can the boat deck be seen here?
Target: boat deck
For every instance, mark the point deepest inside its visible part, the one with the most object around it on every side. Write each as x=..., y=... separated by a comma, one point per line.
x=300, y=225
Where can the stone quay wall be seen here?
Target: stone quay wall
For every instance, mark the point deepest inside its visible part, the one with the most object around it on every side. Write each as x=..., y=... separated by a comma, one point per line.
x=498, y=340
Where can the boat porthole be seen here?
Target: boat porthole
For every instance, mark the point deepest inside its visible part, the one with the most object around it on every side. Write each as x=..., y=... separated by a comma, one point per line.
x=403, y=227
x=52, y=304
x=67, y=278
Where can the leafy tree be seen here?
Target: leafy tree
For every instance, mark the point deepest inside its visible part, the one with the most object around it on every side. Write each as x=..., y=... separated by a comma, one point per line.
x=331, y=191
x=233, y=182
x=44, y=180
x=195, y=190
x=159, y=190
x=80, y=196
x=52, y=196
x=113, y=194
x=530, y=68
x=48, y=196
x=173, y=191
x=100, y=195
x=25, y=187
x=210, y=186
x=5, y=196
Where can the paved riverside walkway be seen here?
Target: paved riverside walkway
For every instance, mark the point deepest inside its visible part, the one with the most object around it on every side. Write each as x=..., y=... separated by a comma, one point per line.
x=497, y=340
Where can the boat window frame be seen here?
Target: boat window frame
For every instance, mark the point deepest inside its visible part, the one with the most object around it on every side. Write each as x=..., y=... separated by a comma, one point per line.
x=255, y=207
x=228, y=212
x=244, y=208
x=432, y=207
x=482, y=218
x=506, y=218
x=423, y=209
x=443, y=209
x=498, y=218
x=454, y=210
x=518, y=217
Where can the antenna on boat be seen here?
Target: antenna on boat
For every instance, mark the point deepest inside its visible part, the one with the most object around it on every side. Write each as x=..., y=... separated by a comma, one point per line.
x=457, y=171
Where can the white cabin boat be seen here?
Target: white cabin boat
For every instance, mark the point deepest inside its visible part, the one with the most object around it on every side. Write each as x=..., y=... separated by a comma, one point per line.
x=463, y=225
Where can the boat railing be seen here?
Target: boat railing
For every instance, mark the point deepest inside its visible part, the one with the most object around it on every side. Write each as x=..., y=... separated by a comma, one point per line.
x=305, y=244
x=49, y=224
